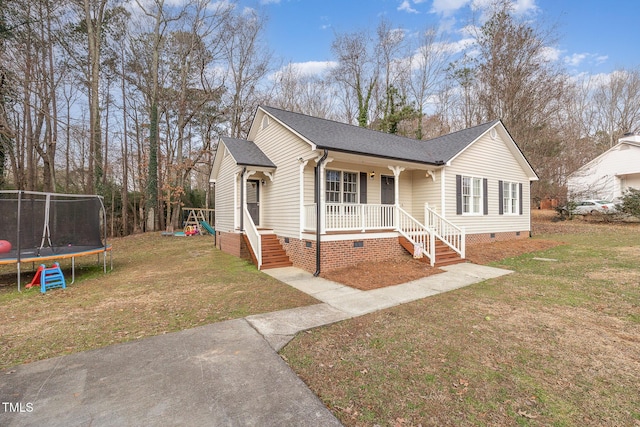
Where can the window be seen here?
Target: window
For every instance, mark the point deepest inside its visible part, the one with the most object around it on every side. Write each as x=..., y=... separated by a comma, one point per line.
x=349, y=187
x=333, y=186
x=341, y=187
x=471, y=195
x=510, y=197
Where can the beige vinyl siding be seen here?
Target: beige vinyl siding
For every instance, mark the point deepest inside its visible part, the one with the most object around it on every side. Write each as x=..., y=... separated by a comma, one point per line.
x=425, y=190
x=406, y=192
x=492, y=159
x=224, y=194
x=280, y=198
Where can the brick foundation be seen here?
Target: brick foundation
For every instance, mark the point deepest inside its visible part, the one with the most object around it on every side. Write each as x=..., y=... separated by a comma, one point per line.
x=474, y=239
x=341, y=253
x=232, y=243
x=344, y=253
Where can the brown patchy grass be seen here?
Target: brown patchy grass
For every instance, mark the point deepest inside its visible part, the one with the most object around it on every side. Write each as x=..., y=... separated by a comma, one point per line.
x=158, y=285
x=554, y=344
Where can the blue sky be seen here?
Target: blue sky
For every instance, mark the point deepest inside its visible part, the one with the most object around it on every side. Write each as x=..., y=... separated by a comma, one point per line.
x=595, y=36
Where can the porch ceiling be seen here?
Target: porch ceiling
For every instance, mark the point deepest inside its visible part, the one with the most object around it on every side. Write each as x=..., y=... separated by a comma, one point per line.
x=371, y=161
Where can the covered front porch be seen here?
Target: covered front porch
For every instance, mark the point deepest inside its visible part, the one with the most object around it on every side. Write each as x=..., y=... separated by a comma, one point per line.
x=353, y=196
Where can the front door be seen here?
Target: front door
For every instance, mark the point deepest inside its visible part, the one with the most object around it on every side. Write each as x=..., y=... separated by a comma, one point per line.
x=388, y=190
x=253, y=200
x=387, y=197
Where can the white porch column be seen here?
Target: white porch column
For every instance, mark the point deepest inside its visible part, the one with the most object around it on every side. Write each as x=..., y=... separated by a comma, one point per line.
x=303, y=211
x=322, y=198
x=236, y=203
x=396, y=184
x=396, y=173
x=443, y=206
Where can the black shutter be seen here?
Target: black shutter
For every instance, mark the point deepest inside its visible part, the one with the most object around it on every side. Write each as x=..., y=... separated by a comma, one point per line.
x=485, y=191
x=363, y=188
x=500, y=198
x=520, y=197
x=458, y=194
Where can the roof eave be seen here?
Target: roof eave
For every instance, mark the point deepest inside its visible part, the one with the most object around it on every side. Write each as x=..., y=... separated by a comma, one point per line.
x=377, y=156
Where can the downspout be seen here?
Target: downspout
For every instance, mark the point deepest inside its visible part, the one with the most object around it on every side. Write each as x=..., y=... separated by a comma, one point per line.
x=319, y=210
x=242, y=185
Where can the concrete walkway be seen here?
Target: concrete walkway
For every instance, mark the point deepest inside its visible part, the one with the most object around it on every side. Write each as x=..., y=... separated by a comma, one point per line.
x=223, y=374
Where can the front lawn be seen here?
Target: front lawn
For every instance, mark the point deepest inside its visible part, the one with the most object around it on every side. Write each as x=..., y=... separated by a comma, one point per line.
x=158, y=285
x=557, y=343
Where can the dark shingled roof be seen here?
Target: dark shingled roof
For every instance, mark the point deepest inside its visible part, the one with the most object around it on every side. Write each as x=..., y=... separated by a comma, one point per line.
x=354, y=139
x=246, y=153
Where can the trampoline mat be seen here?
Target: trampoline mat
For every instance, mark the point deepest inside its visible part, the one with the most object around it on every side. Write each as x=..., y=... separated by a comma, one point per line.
x=33, y=254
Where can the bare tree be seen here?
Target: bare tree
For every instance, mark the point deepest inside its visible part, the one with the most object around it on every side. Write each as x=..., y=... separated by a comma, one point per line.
x=618, y=105
x=427, y=64
x=519, y=84
x=304, y=93
x=248, y=60
x=357, y=72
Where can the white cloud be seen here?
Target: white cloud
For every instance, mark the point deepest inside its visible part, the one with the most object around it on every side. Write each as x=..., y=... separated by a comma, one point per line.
x=458, y=46
x=577, y=59
x=551, y=53
x=309, y=68
x=447, y=7
x=406, y=7
x=269, y=1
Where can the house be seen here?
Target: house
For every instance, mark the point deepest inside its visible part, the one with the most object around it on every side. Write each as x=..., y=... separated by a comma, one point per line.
x=321, y=195
x=610, y=174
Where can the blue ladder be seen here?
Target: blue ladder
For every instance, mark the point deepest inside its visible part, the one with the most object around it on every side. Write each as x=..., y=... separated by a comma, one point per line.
x=52, y=278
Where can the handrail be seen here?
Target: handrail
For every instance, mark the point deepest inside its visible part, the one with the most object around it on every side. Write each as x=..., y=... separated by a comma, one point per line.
x=452, y=235
x=417, y=233
x=254, y=237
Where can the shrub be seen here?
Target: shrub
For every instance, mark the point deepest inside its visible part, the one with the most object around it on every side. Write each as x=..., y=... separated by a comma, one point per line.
x=630, y=202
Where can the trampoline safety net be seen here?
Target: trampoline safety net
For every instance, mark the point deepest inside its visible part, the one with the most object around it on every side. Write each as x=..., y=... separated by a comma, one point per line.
x=39, y=224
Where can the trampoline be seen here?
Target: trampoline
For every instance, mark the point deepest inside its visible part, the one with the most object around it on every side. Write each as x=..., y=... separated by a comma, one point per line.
x=41, y=227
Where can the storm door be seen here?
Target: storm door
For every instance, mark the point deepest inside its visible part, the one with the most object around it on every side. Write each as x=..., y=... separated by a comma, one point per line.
x=253, y=200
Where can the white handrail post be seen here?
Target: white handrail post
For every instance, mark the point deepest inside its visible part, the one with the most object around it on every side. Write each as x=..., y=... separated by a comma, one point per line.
x=432, y=247
x=463, y=243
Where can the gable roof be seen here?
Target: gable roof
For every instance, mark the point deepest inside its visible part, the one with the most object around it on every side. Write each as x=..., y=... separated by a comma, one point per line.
x=348, y=138
x=246, y=153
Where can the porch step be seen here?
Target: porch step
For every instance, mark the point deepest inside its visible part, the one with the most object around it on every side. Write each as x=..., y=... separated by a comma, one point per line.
x=444, y=254
x=273, y=255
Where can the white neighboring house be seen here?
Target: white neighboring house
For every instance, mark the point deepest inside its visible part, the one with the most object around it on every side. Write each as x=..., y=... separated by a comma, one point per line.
x=610, y=174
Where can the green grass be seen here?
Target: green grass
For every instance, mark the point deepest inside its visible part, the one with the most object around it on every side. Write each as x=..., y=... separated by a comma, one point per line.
x=553, y=344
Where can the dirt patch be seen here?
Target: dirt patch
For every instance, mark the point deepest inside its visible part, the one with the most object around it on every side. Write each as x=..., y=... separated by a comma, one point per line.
x=379, y=274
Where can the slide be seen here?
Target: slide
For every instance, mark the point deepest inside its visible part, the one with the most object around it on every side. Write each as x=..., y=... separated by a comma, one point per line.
x=208, y=227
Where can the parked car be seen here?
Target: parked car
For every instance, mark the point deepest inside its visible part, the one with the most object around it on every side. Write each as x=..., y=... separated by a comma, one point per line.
x=585, y=207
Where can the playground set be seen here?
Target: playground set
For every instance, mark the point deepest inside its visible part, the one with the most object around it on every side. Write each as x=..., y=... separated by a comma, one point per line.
x=197, y=222
x=37, y=227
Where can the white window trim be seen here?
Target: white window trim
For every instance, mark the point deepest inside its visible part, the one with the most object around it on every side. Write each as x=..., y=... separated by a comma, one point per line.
x=513, y=203
x=357, y=182
x=480, y=211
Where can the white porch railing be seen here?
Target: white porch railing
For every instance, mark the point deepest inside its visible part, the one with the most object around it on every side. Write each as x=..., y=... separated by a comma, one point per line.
x=254, y=237
x=444, y=230
x=362, y=217
x=417, y=234
x=339, y=217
